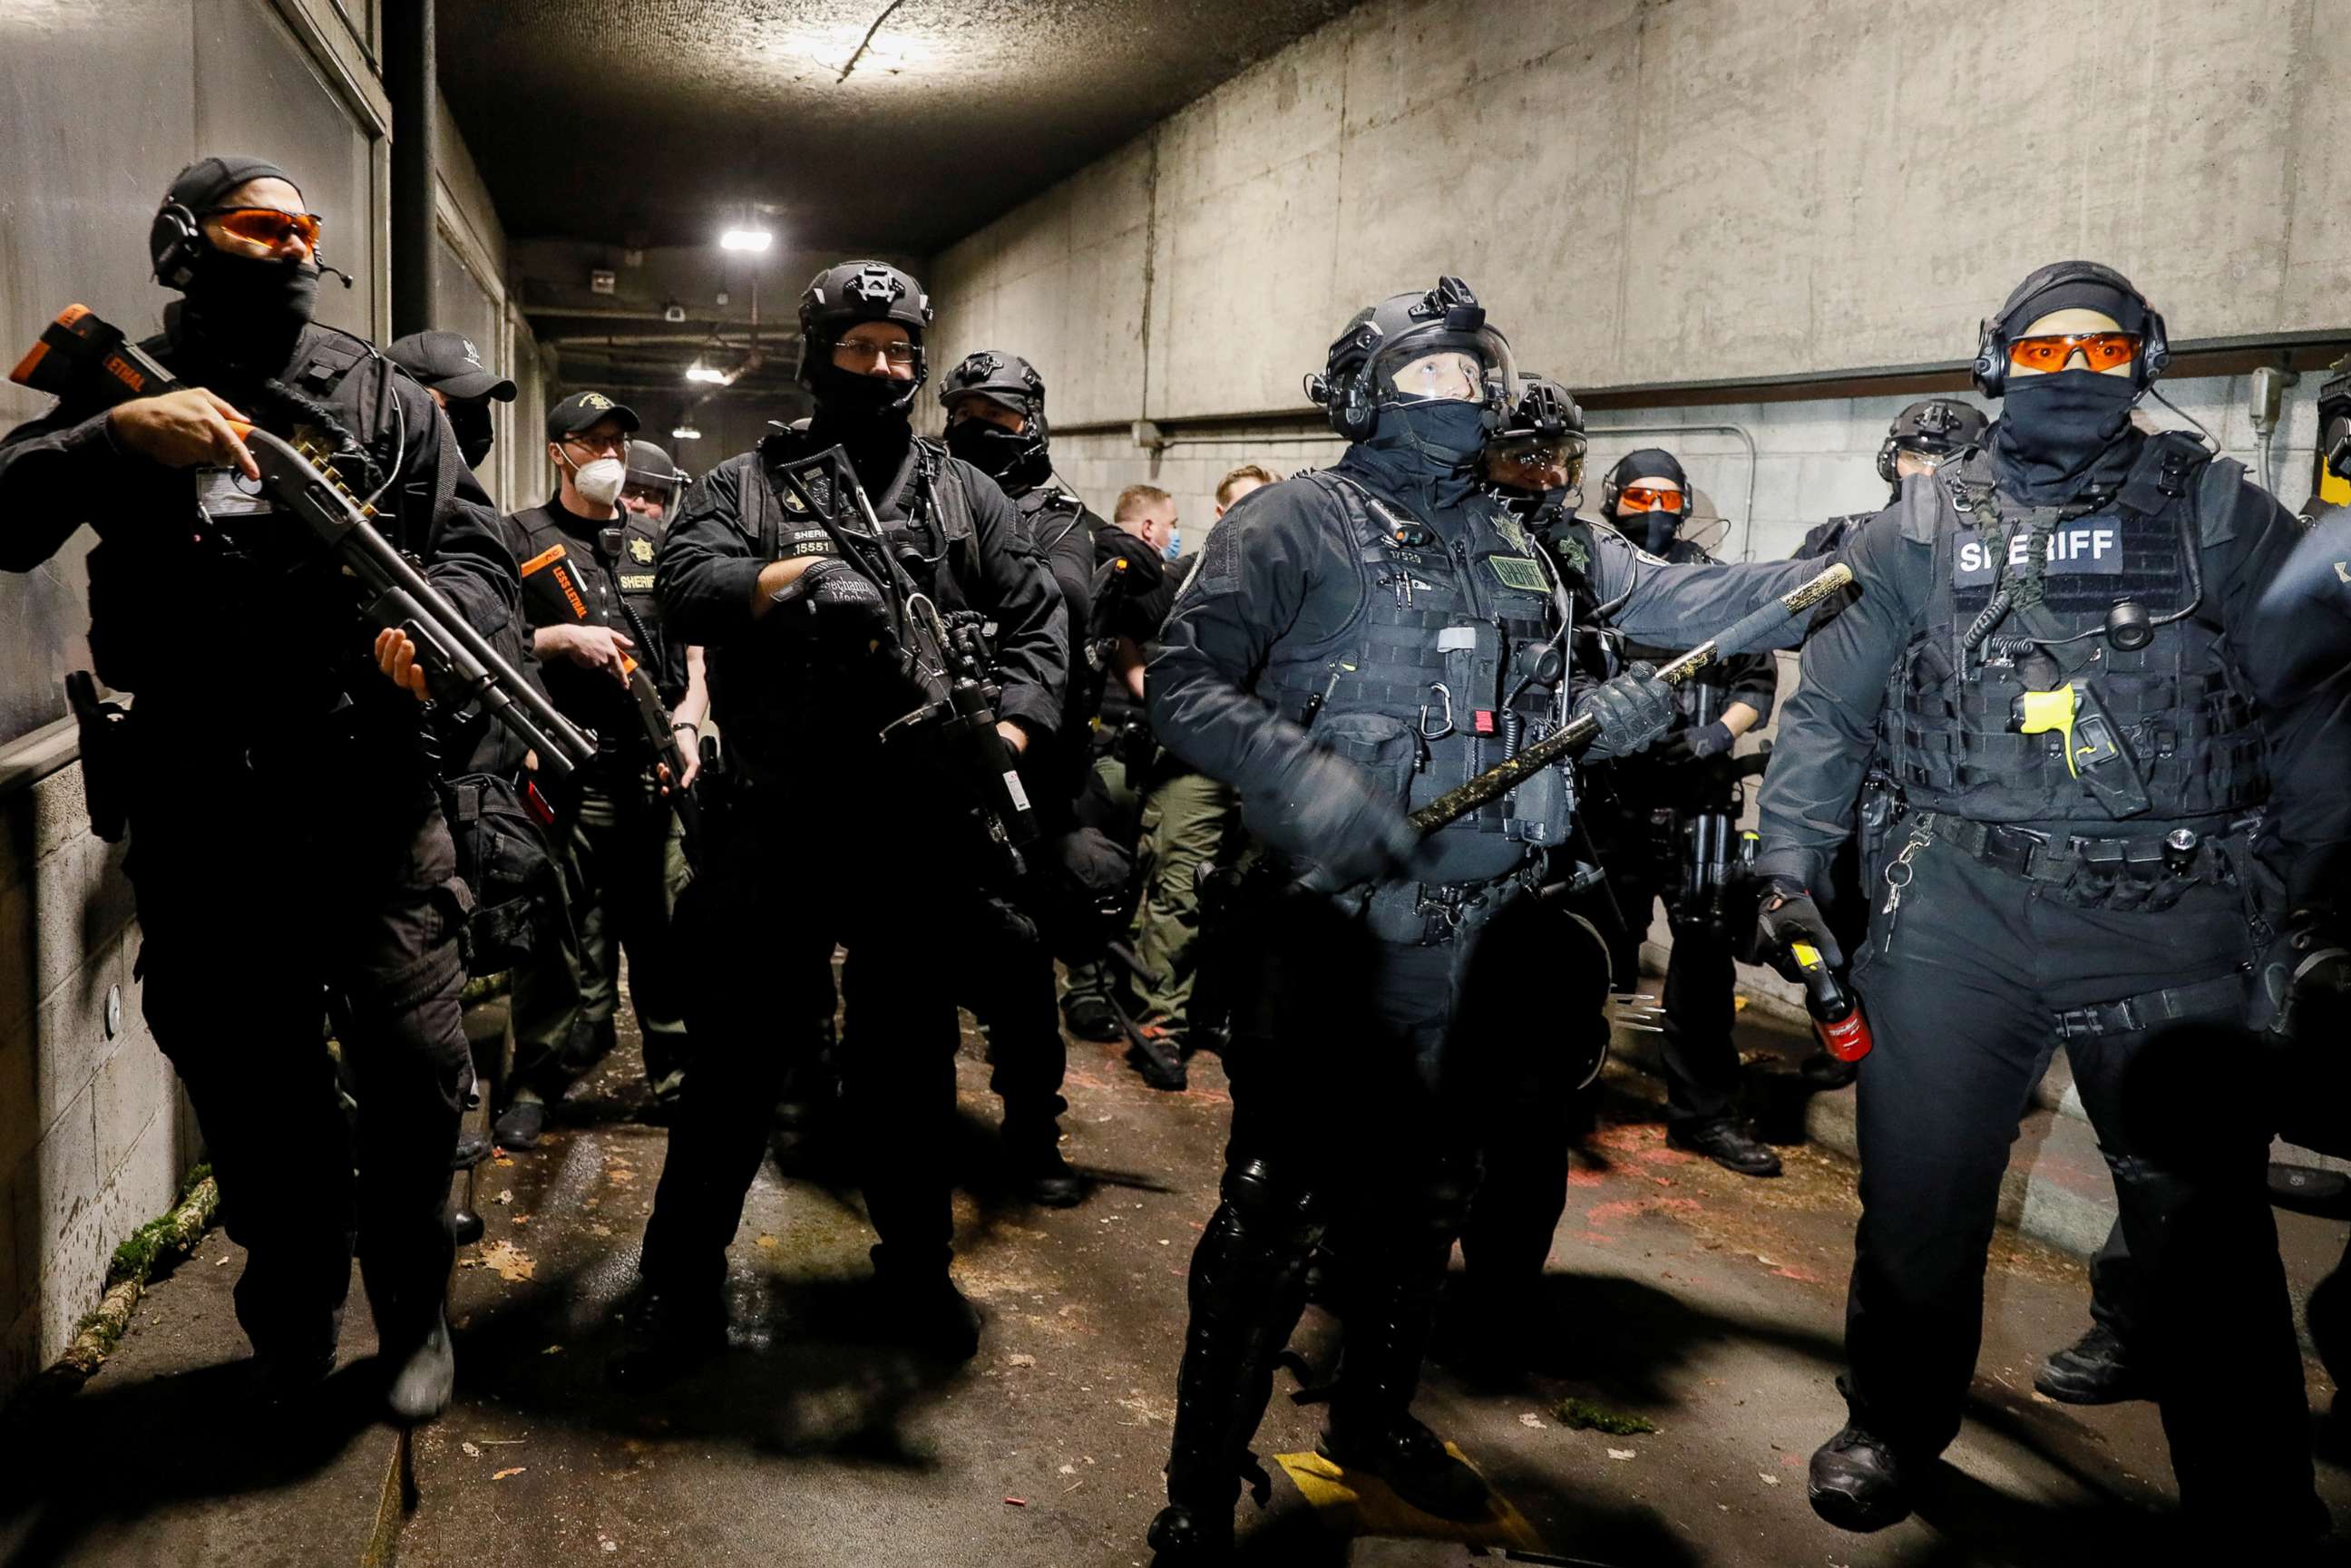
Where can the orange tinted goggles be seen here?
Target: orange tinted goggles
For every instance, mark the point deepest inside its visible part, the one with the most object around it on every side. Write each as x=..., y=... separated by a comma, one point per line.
x=1649, y=498
x=2100, y=350
x=268, y=225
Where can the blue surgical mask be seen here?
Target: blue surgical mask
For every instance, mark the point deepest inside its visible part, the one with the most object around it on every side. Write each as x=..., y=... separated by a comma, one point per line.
x=1175, y=545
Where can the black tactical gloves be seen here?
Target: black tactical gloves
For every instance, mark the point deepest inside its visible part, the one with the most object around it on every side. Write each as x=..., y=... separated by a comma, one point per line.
x=1329, y=813
x=1633, y=709
x=1789, y=916
x=845, y=606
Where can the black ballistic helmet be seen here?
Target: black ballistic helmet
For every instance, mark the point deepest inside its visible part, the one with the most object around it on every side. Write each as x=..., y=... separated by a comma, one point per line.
x=2064, y=286
x=1004, y=379
x=838, y=297
x=1358, y=378
x=1937, y=427
x=1544, y=414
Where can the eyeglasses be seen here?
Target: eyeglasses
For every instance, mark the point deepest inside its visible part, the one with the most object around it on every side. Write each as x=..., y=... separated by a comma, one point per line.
x=587, y=441
x=900, y=355
x=268, y=225
x=1649, y=498
x=2100, y=350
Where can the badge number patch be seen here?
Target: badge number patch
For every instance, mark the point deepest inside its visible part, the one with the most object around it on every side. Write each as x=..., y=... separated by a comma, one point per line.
x=1519, y=572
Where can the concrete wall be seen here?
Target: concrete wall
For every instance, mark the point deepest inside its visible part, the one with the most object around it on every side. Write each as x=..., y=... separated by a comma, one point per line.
x=1651, y=191
x=93, y=1139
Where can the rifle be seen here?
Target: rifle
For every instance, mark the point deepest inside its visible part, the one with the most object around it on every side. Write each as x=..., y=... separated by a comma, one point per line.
x=652, y=715
x=947, y=665
x=79, y=354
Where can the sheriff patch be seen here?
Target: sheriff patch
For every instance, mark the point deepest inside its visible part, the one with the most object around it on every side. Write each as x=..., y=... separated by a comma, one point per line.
x=2087, y=550
x=637, y=583
x=1517, y=571
x=641, y=551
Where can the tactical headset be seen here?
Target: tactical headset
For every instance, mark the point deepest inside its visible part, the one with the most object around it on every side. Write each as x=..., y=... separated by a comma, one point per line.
x=1952, y=426
x=1344, y=387
x=176, y=242
x=1614, y=485
x=1991, y=368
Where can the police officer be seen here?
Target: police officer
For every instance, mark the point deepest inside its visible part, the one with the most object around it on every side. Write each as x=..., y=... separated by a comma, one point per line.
x=1354, y=641
x=654, y=483
x=2044, y=658
x=588, y=594
x=1642, y=818
x=450, y=368
x=248, y=888
x=828, y=838
x=995, y=404
x=1922, y=438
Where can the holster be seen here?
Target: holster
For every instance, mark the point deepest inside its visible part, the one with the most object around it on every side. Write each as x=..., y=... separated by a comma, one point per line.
x=107, y=765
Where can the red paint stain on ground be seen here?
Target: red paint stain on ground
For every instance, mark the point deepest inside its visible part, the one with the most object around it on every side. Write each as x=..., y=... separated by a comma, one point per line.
x=1625, y=1208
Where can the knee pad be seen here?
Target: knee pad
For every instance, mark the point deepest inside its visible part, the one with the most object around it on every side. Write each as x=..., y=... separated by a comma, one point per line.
x=1265, y=1201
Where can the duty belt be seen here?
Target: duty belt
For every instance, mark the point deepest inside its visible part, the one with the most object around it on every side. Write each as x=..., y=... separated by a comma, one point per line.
x=2223, y=996
x=1430, y=915
x=2048, y=857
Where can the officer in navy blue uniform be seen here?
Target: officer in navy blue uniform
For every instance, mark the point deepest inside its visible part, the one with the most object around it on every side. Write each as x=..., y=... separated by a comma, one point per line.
x=2048, y=660
x=290, y=854
x=1353, y=642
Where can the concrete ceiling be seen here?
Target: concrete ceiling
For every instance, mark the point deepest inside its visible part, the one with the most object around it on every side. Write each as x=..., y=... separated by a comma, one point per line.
x=896, y=125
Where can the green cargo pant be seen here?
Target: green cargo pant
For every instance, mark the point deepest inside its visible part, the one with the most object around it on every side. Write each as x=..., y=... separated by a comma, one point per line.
x=1189, y=819
x=624, y=868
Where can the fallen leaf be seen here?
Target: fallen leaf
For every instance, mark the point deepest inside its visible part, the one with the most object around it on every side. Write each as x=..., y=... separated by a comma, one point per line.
x=1068, y=1470
x=505, y=1196
x=1021, y=1358
x=1530, y=1421
x=552, y=1350
x=471, y=1452
x=501, y=1475
x=1767, y=1477
x=770, y=1242
x=1620, y=1453
x=501, y=1160
x=511, y=1262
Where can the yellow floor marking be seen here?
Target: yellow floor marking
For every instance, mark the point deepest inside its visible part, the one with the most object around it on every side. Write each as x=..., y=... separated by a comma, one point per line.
x=1361, y=1504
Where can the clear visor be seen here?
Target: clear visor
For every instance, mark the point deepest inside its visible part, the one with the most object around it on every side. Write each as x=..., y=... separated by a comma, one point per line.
x=1466, y=367
x=1530, y=462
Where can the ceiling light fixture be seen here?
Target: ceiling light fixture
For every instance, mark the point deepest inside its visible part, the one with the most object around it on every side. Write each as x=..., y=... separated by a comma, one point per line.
x=685, y=432
x=699, y=371
x=746, y=239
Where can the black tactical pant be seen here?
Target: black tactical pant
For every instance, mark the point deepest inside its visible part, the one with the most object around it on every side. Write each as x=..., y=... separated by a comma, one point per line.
x=262, y=919
x=1029, y=1057
x=786, y=882
x=1360, y=1069
x=1701, y=1061
x=1963, y=994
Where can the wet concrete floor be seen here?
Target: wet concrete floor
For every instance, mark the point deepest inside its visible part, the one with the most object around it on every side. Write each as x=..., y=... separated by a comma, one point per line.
x=1706, y=1303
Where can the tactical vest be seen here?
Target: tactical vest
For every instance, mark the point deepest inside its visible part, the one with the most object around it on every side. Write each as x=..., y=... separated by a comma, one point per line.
x=1417, y=685
x=2188, y=720
x=1047, y=515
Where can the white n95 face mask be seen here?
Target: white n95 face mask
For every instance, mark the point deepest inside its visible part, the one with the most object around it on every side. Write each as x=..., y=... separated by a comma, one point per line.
x=598, y=483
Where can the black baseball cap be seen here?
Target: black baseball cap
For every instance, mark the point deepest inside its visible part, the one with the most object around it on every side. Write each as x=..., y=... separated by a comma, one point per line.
x=450, y=364
x=581, y=409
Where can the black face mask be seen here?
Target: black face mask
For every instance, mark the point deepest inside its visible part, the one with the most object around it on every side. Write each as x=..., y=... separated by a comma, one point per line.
x=1446, y=433
x=2053, y=429
x=851, y=398
x=470, y=419
x=1015, y=462
x=1653, y=531
x=251, y=311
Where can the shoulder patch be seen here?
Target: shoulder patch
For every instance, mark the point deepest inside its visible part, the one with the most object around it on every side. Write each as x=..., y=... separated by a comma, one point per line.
x=1519, y=572
x=1219, y=571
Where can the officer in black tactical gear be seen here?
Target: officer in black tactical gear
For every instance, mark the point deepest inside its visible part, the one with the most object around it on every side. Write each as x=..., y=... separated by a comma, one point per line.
x=654, y=485
x=995, y=404
x=1642, y=811
x=247, y=887
x=1923, y=437
x=587, y=563
x=827, y=837
x=1354, y=641
x=2049, y=659
x=451, y=369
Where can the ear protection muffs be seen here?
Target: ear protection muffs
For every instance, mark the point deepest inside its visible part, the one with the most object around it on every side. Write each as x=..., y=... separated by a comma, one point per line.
x=1991, y=368
x=1610, y=488
x=173, y=242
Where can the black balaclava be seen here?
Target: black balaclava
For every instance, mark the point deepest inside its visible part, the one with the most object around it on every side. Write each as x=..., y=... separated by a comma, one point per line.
x=469, y=417
x=244, y=311
x=1019, y=462
x=1653, y=531
x=2062, y=434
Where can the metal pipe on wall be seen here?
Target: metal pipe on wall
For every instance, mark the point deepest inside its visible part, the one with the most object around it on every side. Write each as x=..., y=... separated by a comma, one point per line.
x=411, y=80
x=1746, y=512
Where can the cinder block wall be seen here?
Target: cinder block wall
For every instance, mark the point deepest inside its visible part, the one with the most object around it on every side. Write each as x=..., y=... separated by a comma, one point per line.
x=94, y=1136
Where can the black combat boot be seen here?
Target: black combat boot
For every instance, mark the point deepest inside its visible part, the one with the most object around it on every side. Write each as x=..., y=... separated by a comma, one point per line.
x=1729, y=1145
x=1858, y=1482
x=1032, y=1158
x=2094, y=1370
x=1371, y=1428
x=1091, y=1017
x=921, y=1309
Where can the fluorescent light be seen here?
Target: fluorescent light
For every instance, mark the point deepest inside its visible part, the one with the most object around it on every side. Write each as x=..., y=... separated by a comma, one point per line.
x=685, y=432
x=745, y=239
x=699, y=371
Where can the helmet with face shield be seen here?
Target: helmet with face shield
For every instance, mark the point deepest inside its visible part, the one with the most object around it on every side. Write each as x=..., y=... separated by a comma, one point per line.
x=1413, y=351
x=1534, y=463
